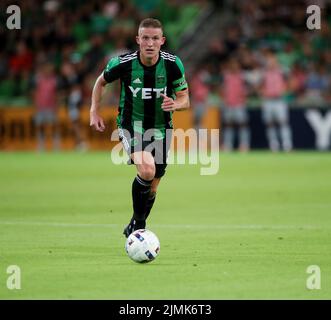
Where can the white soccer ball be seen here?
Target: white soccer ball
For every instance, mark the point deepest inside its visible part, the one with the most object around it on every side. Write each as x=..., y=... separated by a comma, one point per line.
x=142, y=246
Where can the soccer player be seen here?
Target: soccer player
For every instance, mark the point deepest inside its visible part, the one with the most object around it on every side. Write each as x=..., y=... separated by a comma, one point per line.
x=153, y=86
x=234, y=112
x=45, y=98
x=274, y=107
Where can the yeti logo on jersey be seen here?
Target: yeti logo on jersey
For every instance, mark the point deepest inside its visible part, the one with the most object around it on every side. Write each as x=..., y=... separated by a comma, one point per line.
x=146, y=93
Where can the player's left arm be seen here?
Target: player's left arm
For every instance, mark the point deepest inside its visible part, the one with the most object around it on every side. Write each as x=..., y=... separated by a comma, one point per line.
x=182, y=101
x=179, y=87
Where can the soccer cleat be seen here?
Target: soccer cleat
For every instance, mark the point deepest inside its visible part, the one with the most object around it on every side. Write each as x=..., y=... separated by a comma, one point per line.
x=127, y=230
x=134, y=225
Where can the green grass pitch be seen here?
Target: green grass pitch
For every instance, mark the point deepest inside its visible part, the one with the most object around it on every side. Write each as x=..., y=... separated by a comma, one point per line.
x=249, y=232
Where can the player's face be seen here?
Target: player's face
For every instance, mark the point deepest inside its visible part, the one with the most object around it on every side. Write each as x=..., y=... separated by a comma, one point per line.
x=150, y=41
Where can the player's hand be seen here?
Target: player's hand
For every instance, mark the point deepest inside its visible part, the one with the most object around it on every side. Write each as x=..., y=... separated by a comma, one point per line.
x=168, y=103
x=96, y=121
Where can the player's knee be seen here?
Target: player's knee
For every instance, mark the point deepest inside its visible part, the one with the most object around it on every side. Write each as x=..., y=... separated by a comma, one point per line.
x=147, y=171
x=160, y=170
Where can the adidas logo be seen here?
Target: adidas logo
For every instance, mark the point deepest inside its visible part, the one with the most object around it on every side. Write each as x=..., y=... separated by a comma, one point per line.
x=137, y=81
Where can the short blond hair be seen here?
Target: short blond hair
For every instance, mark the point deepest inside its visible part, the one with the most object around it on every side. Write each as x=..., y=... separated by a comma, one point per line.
x=151, y=23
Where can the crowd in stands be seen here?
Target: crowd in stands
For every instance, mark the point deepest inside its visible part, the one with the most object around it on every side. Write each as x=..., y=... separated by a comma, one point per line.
x=258, y=28
x=236, y=72
x=74, y=34
x=83, y=35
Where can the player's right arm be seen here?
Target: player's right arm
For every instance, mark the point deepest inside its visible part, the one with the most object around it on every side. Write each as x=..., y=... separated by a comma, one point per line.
x=95, y=119
x=110, y=74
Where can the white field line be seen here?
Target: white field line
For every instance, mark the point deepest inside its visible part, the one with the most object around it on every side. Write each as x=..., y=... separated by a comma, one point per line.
x=167, y=226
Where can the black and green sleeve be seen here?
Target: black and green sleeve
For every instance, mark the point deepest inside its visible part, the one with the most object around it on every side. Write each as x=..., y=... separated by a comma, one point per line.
x=112, y=71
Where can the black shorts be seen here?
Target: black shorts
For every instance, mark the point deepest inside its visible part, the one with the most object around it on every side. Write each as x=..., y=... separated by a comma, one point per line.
x=159, y=148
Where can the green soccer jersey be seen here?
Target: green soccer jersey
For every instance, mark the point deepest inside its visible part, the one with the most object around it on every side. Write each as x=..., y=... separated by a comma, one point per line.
x=141, y=88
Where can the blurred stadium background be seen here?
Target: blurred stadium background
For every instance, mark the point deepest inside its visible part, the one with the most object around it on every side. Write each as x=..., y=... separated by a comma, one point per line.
x=64, y=45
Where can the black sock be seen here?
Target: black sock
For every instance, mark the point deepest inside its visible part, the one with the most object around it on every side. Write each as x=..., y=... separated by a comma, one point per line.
x=140, y=192
x=149, y=204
